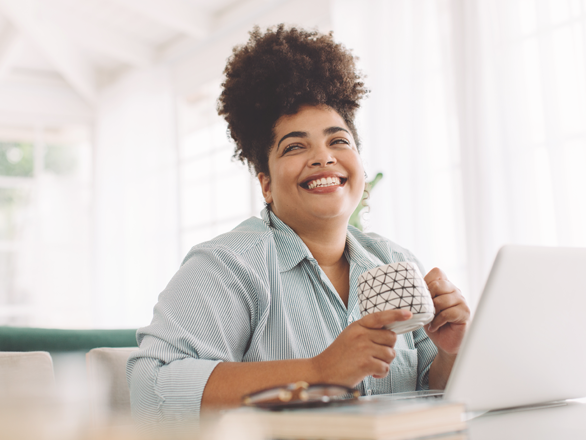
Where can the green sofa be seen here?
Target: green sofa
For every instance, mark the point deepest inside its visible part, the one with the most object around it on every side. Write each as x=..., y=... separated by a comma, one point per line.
x=61, y=341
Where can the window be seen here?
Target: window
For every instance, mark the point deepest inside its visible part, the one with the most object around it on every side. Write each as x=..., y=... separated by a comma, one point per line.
x=216, y=191
x=45, y=202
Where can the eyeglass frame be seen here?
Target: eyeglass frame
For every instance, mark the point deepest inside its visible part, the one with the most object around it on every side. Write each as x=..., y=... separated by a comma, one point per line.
x=295, y=395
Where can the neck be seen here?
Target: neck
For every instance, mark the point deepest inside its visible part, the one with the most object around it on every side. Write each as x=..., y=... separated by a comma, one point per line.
x=325, y=241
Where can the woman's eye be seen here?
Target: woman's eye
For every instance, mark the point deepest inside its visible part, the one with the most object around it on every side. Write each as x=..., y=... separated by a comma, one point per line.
x=341, y=141
x=291, y=148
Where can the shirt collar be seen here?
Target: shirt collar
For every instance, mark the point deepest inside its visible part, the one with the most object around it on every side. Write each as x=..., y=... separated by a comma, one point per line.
x=357, y=254
x=291, y=250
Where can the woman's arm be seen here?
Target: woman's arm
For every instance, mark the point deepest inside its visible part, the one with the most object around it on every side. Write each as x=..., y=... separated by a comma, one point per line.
x=364, y=348
x=205, y=315
x=448, y=328
x=230, y=381
x=440, y=370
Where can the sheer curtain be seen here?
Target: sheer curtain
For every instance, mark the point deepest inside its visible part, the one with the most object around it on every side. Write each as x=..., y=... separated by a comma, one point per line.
x=477, y=120
x=523, y=124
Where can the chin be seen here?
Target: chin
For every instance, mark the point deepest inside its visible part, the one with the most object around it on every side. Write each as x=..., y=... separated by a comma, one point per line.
x=327, y=213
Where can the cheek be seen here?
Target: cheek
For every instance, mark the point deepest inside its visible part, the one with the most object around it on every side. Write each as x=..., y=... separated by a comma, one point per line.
x=355, y=165
x=359, y=180
x=281, y=179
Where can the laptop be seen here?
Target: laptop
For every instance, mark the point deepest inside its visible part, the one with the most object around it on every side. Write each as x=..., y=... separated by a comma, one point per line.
x=526, y=344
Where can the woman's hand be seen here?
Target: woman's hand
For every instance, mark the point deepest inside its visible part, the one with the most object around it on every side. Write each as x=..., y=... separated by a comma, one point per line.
x=364, y=348
x=452, y=314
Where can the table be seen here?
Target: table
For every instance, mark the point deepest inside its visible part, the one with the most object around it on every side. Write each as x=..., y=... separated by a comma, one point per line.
x=566, y=422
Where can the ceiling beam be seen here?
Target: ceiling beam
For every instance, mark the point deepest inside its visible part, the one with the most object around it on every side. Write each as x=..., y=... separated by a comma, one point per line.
x=10, y=42
x=28, y=100
x=179, y=15
x=107, y=41
x=232, y=28
x=27, y=17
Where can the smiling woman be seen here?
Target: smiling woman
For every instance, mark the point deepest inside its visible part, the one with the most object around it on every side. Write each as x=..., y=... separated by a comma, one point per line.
x=275, y=301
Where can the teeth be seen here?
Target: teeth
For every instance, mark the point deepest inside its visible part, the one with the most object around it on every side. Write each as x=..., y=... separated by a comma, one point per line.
x=324, y=181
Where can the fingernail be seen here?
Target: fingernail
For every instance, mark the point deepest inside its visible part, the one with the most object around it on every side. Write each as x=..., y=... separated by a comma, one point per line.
x=406, y=313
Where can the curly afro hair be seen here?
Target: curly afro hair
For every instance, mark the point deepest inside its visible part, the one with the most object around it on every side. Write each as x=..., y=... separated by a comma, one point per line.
x=276, y=73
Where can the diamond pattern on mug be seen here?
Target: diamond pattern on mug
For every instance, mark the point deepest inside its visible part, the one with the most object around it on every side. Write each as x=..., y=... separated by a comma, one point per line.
x=400, y=287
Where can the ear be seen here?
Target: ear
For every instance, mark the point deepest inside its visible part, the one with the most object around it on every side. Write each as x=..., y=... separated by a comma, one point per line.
x=265, y=186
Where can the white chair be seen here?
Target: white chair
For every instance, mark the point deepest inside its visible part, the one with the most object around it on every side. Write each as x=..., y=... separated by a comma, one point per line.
x=109, y=393
x=27, y=392
x=26, y=375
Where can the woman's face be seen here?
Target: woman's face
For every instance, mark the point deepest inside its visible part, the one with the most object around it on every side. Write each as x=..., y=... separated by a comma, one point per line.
x=315, y=170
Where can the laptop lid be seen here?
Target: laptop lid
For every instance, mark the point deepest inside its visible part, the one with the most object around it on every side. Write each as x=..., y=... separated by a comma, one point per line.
x=527, y=341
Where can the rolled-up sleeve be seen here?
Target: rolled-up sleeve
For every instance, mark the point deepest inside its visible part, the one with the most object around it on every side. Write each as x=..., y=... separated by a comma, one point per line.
x=205, y=315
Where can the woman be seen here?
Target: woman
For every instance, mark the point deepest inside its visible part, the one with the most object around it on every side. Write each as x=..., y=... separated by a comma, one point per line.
x=275, y=300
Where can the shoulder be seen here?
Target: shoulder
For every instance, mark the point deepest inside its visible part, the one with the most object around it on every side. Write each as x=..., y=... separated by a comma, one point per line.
x=231, y=264
x=245, y=253
x=250, y=236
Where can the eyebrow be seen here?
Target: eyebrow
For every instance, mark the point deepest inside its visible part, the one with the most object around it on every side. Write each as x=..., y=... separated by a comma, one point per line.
x=304, y=134
x=300, y=134
x=332, y=130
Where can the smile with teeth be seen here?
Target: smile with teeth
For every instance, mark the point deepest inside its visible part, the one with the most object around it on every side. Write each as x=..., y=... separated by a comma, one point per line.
x=323, y=182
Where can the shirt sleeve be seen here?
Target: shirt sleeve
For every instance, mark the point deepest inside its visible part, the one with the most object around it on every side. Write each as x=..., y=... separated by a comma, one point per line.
x=204, y=316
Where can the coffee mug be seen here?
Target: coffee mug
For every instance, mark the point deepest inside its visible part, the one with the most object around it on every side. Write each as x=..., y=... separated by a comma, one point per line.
x=396, y=286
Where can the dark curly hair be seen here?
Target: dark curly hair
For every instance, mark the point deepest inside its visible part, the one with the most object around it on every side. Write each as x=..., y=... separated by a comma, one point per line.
x=276, y=73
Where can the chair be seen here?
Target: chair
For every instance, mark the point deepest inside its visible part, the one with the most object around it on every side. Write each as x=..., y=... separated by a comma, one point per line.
x=108, y=389
x=27, y=393
x=26, y=376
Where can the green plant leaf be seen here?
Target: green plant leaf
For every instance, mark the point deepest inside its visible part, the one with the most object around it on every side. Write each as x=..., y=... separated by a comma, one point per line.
x=355, y=219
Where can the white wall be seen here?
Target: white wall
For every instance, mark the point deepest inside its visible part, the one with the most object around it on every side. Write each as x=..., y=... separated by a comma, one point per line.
x=135, y=200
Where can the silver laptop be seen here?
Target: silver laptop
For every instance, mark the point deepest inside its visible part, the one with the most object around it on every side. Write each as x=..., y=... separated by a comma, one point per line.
x=527, y=341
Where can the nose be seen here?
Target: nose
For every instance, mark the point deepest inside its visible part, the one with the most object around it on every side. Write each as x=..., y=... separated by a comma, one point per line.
x=322, y=156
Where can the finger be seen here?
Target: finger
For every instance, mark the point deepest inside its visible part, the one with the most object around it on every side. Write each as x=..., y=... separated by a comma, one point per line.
x=385, y=354
x=455, y=315
x=381, y=369
x=382, y=337
x=441, y=287
x=380, y=319
x=435, y=274
x=442, y=302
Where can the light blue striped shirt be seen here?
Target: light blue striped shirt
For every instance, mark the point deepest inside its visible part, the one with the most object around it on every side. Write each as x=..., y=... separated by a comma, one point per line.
x=257, y=294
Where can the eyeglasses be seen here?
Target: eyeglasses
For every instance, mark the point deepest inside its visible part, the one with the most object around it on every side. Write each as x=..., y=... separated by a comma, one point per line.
x=300, y=395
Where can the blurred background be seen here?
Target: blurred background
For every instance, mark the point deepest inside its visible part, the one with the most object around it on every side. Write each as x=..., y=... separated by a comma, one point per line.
x=114, y=163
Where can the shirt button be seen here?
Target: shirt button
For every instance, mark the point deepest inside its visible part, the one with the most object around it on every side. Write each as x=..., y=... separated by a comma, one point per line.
x=350, y=320
x=369, y=392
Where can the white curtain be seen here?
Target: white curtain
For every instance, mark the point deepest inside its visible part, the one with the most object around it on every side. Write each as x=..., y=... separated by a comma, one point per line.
x=136, y=235
x=477, y=119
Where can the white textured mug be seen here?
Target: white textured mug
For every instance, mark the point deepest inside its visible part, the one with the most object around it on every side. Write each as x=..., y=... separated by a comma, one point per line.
x=396, y=286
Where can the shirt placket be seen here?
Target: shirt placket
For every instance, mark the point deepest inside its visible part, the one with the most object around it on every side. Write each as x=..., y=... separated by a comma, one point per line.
x=323, y=281
x=346, y=316
x=366, y=387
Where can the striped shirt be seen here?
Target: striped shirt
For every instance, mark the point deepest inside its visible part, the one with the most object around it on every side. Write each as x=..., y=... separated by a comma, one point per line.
x=257, y=294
